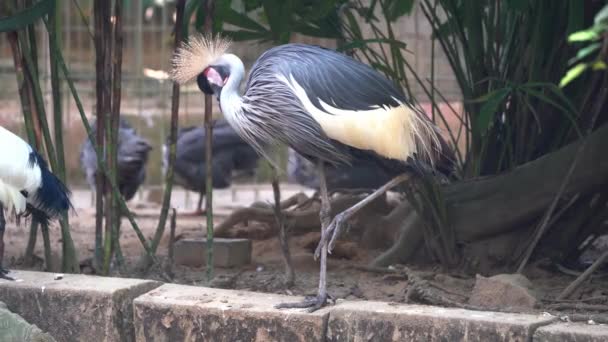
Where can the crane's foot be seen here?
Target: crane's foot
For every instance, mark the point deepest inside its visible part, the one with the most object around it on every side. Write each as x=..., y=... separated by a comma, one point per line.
x=334, y=230
x=3, y=274
x=312, y=303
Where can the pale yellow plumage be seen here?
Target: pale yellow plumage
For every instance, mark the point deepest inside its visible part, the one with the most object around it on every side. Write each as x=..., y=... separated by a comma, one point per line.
x=392, y=132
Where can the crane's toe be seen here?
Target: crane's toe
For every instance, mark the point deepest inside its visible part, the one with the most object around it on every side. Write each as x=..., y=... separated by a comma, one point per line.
x=334, y=229
x=312, y=303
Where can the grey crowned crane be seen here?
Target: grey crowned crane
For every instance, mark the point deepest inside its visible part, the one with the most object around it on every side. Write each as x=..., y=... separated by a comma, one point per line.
x=27, y=186
x=362, y=175
x=328, y=107
x=232, y=157
x=132, y=155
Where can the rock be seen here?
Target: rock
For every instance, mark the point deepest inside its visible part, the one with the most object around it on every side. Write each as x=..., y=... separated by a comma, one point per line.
x=189, y=313
x=76, y=307
x=226, y=252
x=507, y=292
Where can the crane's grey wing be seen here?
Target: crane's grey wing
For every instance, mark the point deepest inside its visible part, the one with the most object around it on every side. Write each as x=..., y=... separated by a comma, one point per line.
x=332, y=77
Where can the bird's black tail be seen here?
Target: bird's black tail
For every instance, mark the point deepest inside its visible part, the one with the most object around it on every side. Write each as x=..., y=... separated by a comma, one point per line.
x=52, y=198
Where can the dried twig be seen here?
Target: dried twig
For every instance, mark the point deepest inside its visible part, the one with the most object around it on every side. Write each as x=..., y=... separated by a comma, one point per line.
x=583, y=277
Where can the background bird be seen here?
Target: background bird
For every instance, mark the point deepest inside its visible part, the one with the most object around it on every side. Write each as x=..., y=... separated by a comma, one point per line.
x=328, y=107
x=232, y=158
x=132, y=157
x=27, y=186
x=363, y=175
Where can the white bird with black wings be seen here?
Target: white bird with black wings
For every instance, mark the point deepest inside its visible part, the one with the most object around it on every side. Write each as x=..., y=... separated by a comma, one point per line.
x=27, y=186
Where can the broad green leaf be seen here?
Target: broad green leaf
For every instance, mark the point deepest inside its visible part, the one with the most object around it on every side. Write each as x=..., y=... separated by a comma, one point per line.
x=189, y=10
x=583, y=36
x=26, y=17
x=398, y=8
x=488, y=110
x=573, y=73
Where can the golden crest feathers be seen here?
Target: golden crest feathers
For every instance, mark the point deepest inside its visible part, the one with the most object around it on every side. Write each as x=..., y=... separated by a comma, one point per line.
x=196, y=54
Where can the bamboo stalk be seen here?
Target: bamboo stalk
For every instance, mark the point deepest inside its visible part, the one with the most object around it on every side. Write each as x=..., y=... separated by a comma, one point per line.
x=115, y=120
x=162, y=221
x=69, y=253
x=101, y=165
x=209, y=6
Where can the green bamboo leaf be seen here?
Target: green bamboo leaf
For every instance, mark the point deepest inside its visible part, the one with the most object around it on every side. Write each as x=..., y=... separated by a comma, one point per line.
x=573, y=73
x=583, y=36
x=601, y=16
x=584, y=52
x=490, y=107
x=26, y=17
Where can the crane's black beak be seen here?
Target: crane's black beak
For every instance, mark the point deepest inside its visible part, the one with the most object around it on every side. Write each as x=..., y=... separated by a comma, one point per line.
x=212, y=79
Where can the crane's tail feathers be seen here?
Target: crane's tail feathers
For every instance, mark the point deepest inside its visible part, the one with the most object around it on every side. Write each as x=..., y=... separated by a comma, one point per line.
x=12, y=198
x=52, y=197
x=195, y=55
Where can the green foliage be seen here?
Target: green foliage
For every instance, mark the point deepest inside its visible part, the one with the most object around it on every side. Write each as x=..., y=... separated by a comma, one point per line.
x=596, y=36
x=507, y=57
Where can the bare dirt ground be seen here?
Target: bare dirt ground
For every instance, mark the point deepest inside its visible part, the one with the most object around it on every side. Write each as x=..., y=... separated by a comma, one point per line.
x=348, y=277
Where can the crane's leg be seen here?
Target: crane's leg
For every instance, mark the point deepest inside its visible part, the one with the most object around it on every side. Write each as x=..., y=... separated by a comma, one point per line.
x=339, y=221
x=3, y=271
x=325, y=216
x=283, y=238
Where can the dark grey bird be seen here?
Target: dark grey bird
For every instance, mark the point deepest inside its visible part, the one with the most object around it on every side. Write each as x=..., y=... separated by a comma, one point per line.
x=363, y=175
x=232, y=158
x=328, y=107
x=132, y=155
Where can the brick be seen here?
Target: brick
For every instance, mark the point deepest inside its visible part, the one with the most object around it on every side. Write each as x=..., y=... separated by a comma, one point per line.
x=76, y=307
x=188, y=313
x=226, y=252
x=377, y=321
x=577, y=332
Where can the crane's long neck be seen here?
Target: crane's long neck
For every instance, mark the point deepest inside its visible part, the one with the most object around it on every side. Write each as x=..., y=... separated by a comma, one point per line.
x=231, y=101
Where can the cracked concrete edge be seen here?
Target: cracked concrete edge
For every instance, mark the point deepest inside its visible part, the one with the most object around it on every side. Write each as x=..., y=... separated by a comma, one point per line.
x=535, y=330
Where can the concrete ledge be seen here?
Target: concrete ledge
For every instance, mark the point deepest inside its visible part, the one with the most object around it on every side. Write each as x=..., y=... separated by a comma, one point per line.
x=578, y=332
x=378, y=321
x=76, y=307
x=189, y=313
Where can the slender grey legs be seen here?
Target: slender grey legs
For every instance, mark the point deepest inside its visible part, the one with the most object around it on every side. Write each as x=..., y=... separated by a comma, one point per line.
x=339, y=221
x=3, y=271
x=325, y=215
